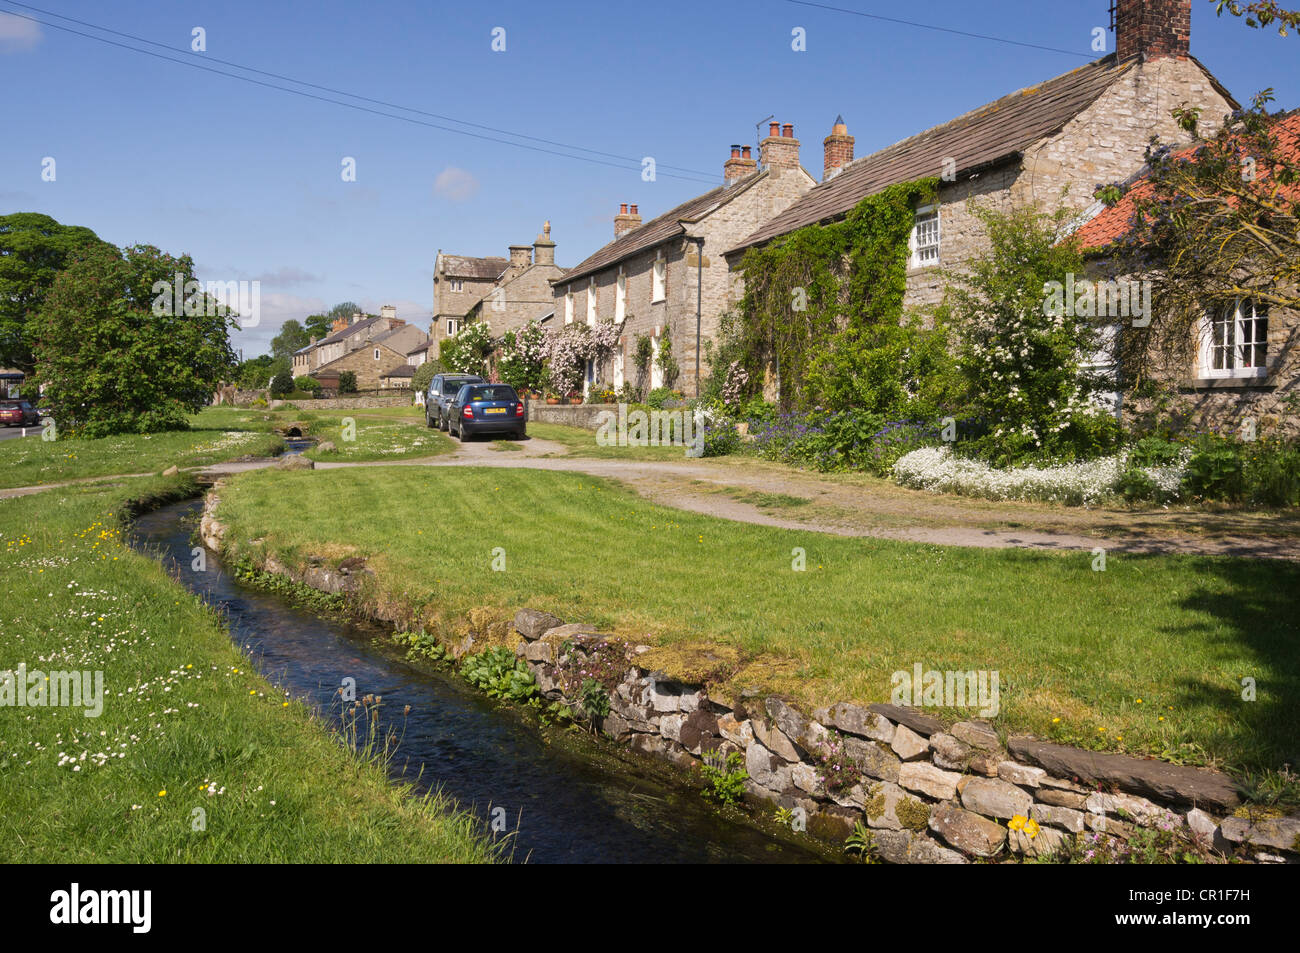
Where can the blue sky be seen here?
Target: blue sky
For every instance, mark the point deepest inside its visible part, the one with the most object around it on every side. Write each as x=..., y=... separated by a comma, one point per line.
x=246, y=179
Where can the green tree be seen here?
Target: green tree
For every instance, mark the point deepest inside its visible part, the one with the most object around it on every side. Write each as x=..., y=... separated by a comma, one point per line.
x=292, y=337
x=344, y=309
x=281, y=384
x=347, y=382
x=424, y=374
x=1023, y=353
x=33, y=249
x=116, y=355
x=255, y=373
x=317, y=326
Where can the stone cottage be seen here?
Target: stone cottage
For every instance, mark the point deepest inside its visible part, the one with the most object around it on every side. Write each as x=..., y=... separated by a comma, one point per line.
x=459, y=283
x=523, y=292
x=347, y=334
x=1240, y=375
x=667, y=277
x=1085, y=127
x=370, y=348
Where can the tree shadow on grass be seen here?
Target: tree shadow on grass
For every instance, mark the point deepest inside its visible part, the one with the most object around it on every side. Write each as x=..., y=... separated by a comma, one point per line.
x=1250, y=604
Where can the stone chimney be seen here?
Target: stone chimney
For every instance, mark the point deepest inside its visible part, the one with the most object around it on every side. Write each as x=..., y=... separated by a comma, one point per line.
x=357, y=316
x=388, y=311
x=780, y=148
x=1154, y=28
x=543, y=247
x=838, y=149
x=625, y=220
x=338, y=324
x=521, y=259
x=739, y=165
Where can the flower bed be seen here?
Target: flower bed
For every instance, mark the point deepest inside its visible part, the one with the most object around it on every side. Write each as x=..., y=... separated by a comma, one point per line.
x=938, y=469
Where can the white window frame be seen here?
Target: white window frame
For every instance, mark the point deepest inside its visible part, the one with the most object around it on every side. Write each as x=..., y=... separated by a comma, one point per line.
x=1242, y=327
x=919, y=256
x=591, y=300
x=453, y=326
x=455, y=284
x=659, y=279
x=568, y=305
x=376, y=354
x=620, y=296
x=618, y=368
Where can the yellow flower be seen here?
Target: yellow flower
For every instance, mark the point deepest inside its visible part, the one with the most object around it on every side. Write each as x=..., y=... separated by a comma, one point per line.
x=1055, y=720
x=1031, y=828
x=1018, y=822
x=162, y=793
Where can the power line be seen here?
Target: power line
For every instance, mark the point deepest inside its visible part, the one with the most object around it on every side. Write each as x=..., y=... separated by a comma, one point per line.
x=691, y=176
x=940, y=29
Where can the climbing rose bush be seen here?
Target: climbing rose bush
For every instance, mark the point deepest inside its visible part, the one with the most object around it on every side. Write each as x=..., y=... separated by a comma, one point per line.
x=572, y=346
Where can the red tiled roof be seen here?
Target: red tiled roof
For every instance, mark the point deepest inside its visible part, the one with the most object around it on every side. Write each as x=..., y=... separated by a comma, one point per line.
x=1114, y=222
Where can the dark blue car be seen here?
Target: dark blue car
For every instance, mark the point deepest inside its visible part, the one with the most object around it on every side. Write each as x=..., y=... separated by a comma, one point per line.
x=486, y=408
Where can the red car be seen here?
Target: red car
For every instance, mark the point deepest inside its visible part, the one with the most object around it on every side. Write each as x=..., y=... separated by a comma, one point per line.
x=18, y=413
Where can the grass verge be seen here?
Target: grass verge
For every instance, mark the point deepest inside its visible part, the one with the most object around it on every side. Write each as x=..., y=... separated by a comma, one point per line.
x=1146, y=657
x=187, y=722
x=216, y=434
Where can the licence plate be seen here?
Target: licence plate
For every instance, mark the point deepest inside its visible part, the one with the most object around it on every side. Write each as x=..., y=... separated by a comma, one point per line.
x=494, y=410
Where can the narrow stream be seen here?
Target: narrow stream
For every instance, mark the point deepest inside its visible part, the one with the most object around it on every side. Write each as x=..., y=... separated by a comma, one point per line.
x=572, y=801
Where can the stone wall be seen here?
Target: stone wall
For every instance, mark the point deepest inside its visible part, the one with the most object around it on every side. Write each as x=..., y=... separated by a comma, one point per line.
x=927, y=791
x=349, y=403
x=570, y=415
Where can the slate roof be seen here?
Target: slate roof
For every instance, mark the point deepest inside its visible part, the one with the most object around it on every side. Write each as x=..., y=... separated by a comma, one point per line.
x=1110, y=224
x=463, y=266
x=347, y=332
x=659, y=229
x=980, y=138
x=401, y=370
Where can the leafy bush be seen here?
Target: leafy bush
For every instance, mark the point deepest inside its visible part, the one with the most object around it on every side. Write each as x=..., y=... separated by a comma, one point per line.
x=523, y=357
x=281, y=384
x=307, y=385
x=593, y=699
x=500, y=674
x=347, y=382
x=725, y=776
x=1272, y=473
x=1216, y=470
x=468, y=350
x=656, y=399
x=720, y=438
x=425, y=373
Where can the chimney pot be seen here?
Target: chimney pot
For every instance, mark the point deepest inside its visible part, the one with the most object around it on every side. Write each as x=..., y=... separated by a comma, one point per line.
x=773, y=129
x=787, y=131
x=745, y=152
x=837, y=149
x=626, y=220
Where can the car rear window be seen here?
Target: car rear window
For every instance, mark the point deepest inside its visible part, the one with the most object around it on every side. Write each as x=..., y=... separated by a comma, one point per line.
x=493, y=392
x=453, y=386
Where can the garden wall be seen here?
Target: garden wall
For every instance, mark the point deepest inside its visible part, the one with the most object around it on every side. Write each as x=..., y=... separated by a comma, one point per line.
x=570, y=415
x=928, y=792
x=348, y=403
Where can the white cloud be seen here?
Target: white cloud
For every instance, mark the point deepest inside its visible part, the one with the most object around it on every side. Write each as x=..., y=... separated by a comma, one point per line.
x=17, y=33
x=455, y=184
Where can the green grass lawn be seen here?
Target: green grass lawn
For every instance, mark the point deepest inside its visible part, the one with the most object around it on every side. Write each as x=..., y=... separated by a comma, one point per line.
x=183, y=709
x=580, y=442
x=218, y=433
x=376, y=438
x=1146, y=656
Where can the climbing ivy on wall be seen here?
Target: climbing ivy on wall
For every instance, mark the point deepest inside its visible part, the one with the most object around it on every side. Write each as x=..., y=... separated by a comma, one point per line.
x=823, y=307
